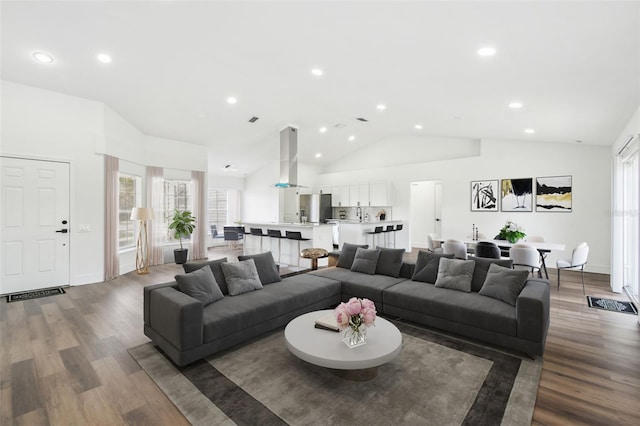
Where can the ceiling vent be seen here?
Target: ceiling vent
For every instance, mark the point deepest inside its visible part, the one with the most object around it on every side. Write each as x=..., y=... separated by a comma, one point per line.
x=362, y=119
x=253, y=119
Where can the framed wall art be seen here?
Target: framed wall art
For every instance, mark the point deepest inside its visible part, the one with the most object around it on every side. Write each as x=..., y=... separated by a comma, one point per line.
x=484, y=196
x=516, y=195
x=554, y=194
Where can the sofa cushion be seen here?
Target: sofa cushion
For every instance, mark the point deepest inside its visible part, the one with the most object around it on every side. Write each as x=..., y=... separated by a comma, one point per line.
x=455, y=306
x=347, y=255
x=234, y=314
x=365, y=261
x=266, y=266
x=427, y=266
x=242, y=277
x=482, y=267
x=201, y=285
x=455, y=274
x=215, y=268
x=356, y=284
x=389, y=262
x=504, y=284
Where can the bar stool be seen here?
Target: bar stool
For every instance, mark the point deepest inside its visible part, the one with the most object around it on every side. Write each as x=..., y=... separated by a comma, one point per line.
x=385, y=232
x=257, y=232
x=398, y=228
x=275, y=233
x=377, y=230
x=296, y=236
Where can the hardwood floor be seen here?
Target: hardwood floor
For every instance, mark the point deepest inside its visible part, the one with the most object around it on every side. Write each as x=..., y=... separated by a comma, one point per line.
x=64, y=360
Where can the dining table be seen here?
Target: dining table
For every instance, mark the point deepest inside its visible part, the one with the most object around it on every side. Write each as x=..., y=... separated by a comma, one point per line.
x=542, y=247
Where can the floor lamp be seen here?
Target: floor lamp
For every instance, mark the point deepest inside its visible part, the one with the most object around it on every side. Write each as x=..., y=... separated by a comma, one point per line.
x=142, y=214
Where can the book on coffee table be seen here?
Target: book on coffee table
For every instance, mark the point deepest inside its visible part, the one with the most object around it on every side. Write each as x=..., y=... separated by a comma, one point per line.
x=327, y=322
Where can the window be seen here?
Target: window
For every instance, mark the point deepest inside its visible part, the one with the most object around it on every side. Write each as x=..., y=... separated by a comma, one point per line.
x=129, y=197
x=217, y=208
x=177, y=195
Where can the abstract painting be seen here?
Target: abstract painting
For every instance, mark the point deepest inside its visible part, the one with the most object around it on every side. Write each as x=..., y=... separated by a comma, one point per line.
x=484, y=196
x=553, y=194
x=517, y=195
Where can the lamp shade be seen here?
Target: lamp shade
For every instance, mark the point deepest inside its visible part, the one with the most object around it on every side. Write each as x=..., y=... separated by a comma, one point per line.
x=141, y=213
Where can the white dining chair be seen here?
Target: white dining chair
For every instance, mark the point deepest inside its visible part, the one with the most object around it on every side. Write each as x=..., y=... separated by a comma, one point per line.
x=526, y=256
x=578, y=259
x=455, y=247
x=432, y=246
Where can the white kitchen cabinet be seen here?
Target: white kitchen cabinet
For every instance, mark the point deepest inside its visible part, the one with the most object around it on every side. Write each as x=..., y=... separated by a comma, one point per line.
x=379, y=194
x=340, y=196
x=359, y=194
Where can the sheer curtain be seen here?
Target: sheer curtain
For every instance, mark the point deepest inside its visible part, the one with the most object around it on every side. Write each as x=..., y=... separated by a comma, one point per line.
x=112, y=211
x=155, y=197
x=199, y=205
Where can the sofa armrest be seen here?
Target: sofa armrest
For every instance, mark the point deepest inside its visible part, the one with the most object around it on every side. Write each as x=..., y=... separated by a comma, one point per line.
x=532, y=310
x=175, y=316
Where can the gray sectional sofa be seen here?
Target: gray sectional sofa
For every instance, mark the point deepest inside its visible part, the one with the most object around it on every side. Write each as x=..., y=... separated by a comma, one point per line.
x=186, y=330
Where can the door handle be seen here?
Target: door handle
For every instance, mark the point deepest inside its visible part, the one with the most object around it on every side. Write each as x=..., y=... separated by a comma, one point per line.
x=63, y=231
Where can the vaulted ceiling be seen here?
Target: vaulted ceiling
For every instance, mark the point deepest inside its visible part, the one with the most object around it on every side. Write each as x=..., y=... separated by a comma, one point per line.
x=574, y=67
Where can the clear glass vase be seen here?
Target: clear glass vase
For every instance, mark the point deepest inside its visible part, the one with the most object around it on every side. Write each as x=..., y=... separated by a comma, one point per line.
x=355, y=336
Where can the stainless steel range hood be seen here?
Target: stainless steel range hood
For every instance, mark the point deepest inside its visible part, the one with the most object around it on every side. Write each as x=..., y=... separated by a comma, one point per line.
x=288, y=158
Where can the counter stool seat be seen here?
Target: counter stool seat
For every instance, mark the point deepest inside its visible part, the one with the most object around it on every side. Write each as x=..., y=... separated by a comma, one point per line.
x=276, y=233
x=376, y=231
x=296, y=236
x=314, y=254
x=388, y=229
x=257, y=232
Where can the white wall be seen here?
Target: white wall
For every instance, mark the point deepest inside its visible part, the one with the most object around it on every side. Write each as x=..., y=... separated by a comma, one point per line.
x=43, y=124
x=589, y=165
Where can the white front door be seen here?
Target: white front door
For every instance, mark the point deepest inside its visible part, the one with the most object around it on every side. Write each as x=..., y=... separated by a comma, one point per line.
x=34, y=221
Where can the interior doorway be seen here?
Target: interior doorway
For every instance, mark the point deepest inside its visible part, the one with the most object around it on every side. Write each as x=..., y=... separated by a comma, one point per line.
x=34, y=221
x=425, y=214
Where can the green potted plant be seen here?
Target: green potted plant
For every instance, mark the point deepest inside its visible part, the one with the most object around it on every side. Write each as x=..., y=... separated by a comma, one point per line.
x=182, y=224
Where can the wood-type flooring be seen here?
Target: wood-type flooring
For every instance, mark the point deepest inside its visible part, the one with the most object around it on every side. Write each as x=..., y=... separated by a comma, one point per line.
x=64, y=360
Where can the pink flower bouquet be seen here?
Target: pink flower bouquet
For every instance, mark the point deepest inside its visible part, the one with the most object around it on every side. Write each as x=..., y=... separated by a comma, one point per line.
x=356, y=313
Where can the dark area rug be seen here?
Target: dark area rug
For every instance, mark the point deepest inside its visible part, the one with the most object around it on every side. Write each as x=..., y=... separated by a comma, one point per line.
x=436, y=380
x=612, y=305
x=27, y=295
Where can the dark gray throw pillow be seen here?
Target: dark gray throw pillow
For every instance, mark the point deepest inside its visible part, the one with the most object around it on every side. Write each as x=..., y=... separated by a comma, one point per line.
x=266, y=266
x=242, y=277
x=365, y=261
x=482, y=267
x=455, y=274
x=389, y=262
x=427, y=263
x=347, y=254
x=200, y=284
x=215, y=268
x=504, y=284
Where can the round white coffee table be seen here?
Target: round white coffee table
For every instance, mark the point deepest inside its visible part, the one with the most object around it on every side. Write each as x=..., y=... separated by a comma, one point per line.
x=326, y=348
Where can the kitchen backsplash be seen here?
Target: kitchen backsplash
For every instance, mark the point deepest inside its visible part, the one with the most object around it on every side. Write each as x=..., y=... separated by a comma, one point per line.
x=350, y=213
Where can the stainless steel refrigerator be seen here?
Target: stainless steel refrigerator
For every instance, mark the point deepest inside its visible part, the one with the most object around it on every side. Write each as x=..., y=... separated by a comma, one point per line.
x=315, y=208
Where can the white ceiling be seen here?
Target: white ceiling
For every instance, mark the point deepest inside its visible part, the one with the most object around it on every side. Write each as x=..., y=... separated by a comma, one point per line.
x=574, y=65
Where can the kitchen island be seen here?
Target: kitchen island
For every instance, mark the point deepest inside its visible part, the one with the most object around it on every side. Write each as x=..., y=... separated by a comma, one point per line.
x=355, y=232
x=284, y=250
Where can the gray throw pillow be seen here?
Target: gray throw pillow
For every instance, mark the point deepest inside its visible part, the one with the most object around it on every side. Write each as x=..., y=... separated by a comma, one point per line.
x=427, y=263
x=389, y=262
x=215, y=268
x=347, y=254
x=266, y=266
x=242, y=277
x=504, y=284
x=455, y=274
x=200, y=284
x=365, y=261
x=482, y=267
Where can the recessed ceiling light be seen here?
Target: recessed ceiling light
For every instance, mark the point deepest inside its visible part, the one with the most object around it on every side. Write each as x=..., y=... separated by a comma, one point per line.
x=43, y=57
x=515, y=105
x=352, y=138
x=487, y=51
x=231, y=100
x=322, y=130
x=418, y=126
x=104, y=58
x=529, y=131
x=318, y=155
x=317, y=72
x=381, y=107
